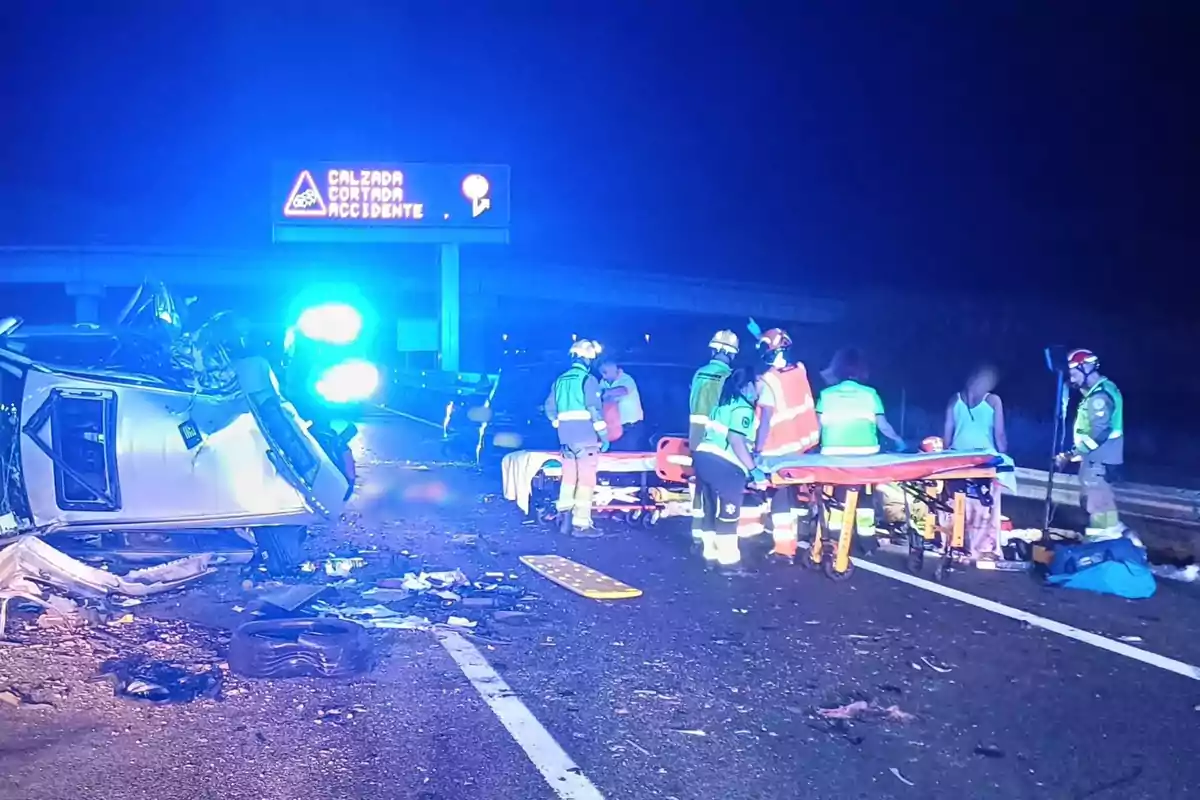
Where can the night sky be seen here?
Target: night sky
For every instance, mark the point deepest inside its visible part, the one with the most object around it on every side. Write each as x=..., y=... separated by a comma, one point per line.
x=1020, y=147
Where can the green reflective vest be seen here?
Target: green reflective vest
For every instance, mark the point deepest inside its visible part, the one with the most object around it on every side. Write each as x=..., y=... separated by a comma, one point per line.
x=568, y=391
x=706, y=391
x=847, y=411
x=578, y=422
x=1100, y=422
x=731, y=419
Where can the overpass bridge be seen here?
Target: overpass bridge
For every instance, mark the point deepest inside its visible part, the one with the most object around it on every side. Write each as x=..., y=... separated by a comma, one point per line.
x=434, y=270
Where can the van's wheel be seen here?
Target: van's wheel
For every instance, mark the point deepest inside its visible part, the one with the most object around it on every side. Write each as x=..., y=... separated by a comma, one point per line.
x=280, y=547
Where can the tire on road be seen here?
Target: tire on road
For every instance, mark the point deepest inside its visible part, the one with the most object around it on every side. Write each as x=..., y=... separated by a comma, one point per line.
x=300, y=648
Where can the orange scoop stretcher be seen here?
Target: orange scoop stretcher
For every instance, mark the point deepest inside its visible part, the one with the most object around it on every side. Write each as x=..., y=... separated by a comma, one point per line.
x=942, y=481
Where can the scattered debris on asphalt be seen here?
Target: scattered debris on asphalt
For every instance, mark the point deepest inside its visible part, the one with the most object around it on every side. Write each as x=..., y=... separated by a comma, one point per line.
x=936, y=666
x=409, y=623
x=989, y=751
x=19, y=698
x=866, y=711
x=30, y=563
x=1188, y=574
x=291, y=598
x=900, y=777
x=149, y=680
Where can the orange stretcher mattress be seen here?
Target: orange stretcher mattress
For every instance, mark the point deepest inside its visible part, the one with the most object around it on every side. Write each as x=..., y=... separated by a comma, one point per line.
x=884, y=468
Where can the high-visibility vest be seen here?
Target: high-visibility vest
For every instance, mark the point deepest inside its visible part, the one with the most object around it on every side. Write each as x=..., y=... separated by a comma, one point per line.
x=1112, y=450
x=733, y=419
x=794, y=427
x=848, y=412
x=703, y=397
x=576, y=422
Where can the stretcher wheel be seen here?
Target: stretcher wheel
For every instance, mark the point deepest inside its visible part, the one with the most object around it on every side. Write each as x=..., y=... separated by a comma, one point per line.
x=916, y=553
x=633, y=516
x=650, y=518
x=833, y=574
x=943, y=567
x=805, y=560
x=916, y=561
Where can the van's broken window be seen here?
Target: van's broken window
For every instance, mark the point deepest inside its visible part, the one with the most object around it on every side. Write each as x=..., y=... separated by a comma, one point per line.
x=82, y=445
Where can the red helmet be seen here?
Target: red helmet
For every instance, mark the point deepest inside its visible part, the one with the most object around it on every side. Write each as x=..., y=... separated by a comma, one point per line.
x=932, y=444
x=774, y=339
x=1078, y=359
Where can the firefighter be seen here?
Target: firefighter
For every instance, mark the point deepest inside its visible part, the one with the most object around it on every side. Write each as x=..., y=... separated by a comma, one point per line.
x=705, y=392
x=852, y=417
x=724, y=462
x=1099, y=444
x=787, y=426
x=574, y=408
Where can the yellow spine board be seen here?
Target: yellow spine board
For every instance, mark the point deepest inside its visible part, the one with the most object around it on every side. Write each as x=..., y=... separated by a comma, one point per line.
x=580, y=579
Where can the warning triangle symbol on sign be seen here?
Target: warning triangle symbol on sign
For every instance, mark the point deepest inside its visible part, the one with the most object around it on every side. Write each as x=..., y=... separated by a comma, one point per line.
x=305, y=199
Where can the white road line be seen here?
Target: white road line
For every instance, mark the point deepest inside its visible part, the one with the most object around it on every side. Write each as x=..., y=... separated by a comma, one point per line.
x=561, y=773
x=437, y=425
x=1071, y=632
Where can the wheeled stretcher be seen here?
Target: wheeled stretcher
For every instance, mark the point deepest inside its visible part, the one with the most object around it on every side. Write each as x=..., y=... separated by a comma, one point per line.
x=942, y=482
x=627, y=486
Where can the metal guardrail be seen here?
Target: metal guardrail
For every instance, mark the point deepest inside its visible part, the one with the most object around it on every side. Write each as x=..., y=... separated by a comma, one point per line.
x=1180, y=506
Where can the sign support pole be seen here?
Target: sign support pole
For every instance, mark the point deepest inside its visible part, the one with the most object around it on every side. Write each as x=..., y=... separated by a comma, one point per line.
x=448, y=261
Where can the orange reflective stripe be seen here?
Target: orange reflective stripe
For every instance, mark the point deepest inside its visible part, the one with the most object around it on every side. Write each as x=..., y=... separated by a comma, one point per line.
x=794, y=427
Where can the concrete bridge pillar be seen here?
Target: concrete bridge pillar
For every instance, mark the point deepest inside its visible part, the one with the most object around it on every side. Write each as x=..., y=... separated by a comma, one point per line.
x=87, y=301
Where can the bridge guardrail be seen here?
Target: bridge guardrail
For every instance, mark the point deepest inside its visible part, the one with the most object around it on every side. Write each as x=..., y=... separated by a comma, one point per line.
x=1181, y=506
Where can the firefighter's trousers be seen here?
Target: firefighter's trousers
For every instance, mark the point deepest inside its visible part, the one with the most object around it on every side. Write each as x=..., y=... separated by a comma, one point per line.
x=579, y=465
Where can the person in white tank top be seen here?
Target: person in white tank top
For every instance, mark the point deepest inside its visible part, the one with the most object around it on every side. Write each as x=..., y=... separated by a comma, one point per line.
x=975, y=415
x=975, y=421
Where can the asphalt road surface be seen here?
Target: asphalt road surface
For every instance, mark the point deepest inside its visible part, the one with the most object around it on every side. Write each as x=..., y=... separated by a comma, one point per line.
x=704, y=687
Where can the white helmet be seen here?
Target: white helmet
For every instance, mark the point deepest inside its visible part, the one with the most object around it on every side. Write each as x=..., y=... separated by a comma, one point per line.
x=724, y=342
x=586, y=349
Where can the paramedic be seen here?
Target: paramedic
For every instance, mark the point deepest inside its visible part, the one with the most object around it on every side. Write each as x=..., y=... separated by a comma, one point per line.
x=707, y=383
x=787, y=426
x=618, y=386
x=852, y=418
x=724, y=464
x=975, y=421
x=702, y=399
x=573, y=407
x=1099, y=444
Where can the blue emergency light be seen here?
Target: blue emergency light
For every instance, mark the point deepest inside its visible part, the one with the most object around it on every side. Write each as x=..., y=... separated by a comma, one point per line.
x=328, y=344
x=351, y=381
x=333, y=323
